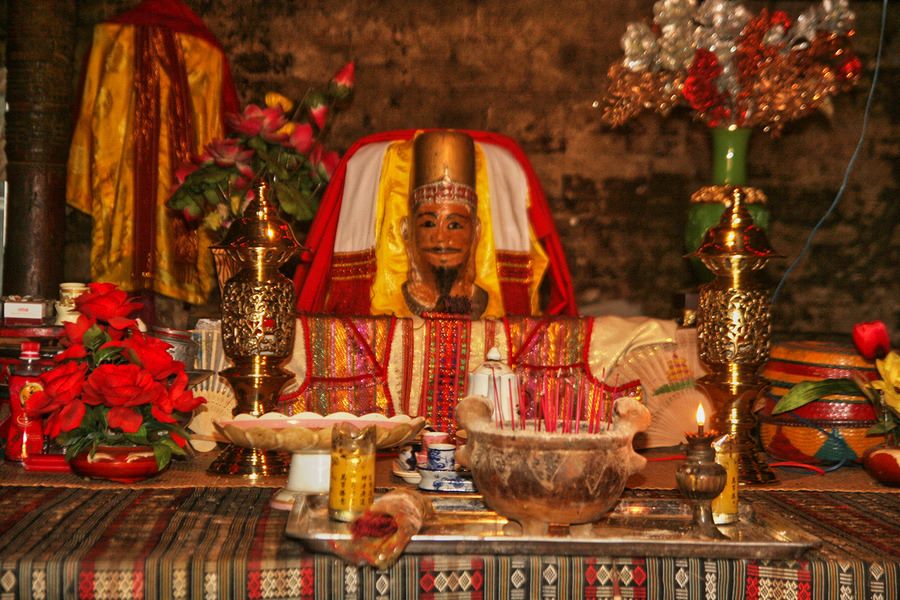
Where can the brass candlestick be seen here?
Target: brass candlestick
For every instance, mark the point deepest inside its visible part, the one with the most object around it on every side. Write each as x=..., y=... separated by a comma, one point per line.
x=257, y=326
x=700, y=478
x=734, y=329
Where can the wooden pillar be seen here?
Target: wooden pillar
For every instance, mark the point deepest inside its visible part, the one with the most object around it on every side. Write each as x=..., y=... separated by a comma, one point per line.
x=39, y=56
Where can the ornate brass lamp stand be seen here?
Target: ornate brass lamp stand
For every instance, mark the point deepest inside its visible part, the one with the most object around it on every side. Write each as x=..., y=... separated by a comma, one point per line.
x=257, y=327
x=734, y=329
x=701, y=479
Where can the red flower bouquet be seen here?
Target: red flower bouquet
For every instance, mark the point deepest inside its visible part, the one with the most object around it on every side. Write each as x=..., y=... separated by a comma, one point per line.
x=283, y=140
x=733, y=67
x=113, y=385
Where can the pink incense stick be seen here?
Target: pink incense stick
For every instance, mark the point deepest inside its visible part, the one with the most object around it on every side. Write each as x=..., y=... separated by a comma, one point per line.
x=512, y=412
x=498, y=411
x=580, y=403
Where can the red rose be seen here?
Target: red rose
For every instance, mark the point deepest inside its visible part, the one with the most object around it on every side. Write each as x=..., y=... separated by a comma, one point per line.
x=122, y=385
x=871, y=339
x=62, y=387
x=67, y=419
x=126, y=419
x=75, y=330
x=150, y=353
x=176, y=399
x=107, y=303
x=64, y=383
x=72, y=352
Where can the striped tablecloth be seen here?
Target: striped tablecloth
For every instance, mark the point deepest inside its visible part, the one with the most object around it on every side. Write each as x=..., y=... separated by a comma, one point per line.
x=209, y=542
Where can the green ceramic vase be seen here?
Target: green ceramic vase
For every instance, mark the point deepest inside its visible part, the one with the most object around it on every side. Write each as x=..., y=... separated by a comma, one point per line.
x=729, y=168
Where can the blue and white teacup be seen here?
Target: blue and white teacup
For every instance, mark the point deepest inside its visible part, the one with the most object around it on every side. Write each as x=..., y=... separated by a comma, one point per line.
x=442, y=457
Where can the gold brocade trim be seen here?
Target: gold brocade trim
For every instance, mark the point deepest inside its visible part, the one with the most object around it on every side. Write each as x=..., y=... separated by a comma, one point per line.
x=514, y=267
x=722, y=194
x=353, y=265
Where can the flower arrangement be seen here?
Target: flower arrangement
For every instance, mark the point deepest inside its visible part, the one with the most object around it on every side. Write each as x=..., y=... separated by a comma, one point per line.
x=872, y=342
x=113, y=385
x=732, y=67
x=282, y=140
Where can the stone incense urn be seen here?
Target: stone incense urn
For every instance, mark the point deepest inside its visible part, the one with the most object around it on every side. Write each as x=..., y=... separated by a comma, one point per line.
x=541, y=479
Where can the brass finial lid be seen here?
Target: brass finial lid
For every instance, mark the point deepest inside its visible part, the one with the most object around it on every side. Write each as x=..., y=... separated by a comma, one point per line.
x=736, y=234
x=261, y=227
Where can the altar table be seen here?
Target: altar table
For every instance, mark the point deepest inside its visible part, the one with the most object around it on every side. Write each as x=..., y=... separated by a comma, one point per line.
x=188, y=534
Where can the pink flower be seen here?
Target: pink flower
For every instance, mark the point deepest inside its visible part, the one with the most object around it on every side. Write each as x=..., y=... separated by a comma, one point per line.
x=182, y=172
x=229, y=152
x=264, y=122
x=345, y=76
x=319, y=114
x=301, y=139
x=324, y=160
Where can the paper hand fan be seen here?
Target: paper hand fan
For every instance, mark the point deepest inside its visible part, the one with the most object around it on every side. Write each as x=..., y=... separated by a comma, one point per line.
x=220, y=400
x=668, y=374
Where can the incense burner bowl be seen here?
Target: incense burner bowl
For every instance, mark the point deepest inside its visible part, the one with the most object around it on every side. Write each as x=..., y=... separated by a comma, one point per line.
x=541, y=479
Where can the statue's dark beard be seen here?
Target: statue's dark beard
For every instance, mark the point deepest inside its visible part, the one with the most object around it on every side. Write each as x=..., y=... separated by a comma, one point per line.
x=445, y=277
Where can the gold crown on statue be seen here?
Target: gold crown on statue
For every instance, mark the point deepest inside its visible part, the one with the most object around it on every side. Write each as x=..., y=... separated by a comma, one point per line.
x=443, y=169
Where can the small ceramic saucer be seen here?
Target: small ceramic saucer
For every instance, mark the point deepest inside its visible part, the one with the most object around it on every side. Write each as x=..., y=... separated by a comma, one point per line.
x=406, y=475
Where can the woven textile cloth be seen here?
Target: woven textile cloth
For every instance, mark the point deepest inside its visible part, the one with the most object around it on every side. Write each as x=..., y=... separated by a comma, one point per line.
x=228, y=543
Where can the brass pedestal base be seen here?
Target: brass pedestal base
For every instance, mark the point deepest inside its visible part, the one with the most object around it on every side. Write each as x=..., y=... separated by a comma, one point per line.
x=733, y=413
x=251, y=463
x=256, y=387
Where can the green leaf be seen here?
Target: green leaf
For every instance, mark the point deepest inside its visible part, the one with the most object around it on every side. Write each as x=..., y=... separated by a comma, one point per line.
x=805, y=392
x=94, y=337
x=882, y=427
x=172, y=446
x=139, y=437
x=109, y=354
x=163, y=455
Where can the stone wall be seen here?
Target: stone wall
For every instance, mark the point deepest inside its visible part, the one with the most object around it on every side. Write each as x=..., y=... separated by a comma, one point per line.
x=535, y=70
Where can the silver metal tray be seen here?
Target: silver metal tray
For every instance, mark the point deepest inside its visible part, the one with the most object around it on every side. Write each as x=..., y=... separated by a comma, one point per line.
x=638, y=526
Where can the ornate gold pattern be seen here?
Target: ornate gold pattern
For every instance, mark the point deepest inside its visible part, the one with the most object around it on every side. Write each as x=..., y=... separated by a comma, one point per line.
x=735, y=328
x=259, y=316
x=722, y=194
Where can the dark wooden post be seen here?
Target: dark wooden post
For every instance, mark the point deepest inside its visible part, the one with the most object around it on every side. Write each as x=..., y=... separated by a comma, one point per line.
x=39, y=56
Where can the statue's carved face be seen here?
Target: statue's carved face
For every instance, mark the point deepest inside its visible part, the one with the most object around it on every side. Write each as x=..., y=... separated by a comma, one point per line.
x=443, y=234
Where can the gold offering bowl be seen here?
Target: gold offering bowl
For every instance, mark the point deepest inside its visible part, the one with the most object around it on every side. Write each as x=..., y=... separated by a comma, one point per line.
x=307, y=436
x=541, y=479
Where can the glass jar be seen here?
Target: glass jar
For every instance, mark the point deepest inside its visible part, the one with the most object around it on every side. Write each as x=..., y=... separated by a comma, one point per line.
x=725, y=505
x=352, y=485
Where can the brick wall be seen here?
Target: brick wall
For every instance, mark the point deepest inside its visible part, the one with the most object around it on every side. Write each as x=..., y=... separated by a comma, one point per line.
x=533, y=70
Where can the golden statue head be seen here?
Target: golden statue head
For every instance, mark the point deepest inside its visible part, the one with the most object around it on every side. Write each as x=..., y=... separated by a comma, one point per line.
x=443, y=227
